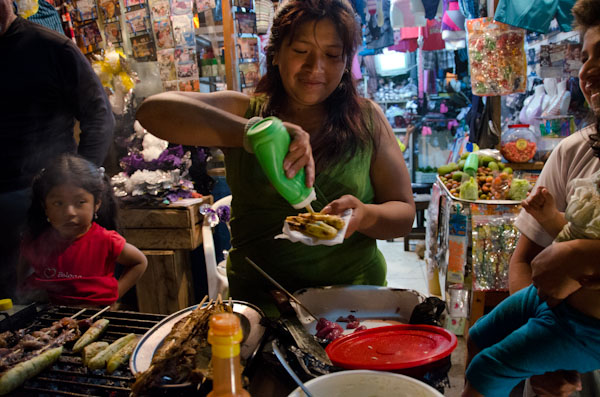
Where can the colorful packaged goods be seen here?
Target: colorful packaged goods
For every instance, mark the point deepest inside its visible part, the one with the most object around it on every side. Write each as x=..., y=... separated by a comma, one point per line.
x=496, y=57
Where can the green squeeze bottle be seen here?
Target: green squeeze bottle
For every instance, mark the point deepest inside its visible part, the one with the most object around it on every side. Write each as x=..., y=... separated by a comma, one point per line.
x=270, y=142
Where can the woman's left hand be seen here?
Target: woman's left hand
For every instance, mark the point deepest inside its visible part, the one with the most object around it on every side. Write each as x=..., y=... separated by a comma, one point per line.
x=342, y=204
x=552, y=271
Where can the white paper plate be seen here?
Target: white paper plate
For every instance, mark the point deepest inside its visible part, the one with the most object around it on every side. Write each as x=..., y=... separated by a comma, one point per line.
x=250, y=317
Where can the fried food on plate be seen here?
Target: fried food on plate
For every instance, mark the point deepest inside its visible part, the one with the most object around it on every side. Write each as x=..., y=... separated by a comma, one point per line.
x=321, y=226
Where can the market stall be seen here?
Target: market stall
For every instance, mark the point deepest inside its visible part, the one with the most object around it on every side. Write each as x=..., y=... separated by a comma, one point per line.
x=78, y=371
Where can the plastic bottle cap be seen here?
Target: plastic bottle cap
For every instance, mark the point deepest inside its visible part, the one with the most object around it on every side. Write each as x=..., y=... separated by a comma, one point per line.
x=6, y=304
x=224, y=324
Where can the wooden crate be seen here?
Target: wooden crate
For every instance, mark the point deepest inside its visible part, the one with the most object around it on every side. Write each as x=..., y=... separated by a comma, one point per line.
x=167, y=285
x=173, y=227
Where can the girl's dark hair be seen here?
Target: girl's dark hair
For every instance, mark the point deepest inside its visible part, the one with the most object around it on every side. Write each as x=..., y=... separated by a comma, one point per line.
x=73, y=170
x=587, y=15
x=345, y=128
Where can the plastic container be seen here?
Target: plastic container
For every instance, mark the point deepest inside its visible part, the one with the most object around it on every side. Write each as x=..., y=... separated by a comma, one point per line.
x=363, y=383
x=409, y=349
x=518, y=144
x=270, y=142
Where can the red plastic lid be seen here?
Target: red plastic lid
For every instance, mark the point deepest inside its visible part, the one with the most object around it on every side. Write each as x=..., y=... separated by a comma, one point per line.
x=518, y=126
x=392, y=347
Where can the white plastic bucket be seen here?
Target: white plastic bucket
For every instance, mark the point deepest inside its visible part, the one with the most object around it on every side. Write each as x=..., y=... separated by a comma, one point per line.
x=364, y=383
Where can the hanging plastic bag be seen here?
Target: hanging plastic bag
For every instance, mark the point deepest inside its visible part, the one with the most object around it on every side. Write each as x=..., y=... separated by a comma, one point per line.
x=496, y=57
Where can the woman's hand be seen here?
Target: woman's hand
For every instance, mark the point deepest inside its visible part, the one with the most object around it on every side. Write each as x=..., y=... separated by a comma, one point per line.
x=556, y=384
x=342, y=204
x=552, y=271
x=300, y=154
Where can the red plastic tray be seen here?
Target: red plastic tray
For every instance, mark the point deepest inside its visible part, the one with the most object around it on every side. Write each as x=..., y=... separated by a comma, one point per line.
x=392, y=348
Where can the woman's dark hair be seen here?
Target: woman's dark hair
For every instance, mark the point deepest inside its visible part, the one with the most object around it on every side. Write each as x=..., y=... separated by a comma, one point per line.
x=73, y=170
x=345, y=128
x=587, y=15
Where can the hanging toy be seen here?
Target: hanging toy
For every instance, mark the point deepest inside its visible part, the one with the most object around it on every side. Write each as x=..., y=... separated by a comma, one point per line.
x=27, y=8
x=116, y=76
x=380, y=18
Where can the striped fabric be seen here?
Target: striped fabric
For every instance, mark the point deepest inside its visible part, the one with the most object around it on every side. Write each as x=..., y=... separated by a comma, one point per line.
x=47, y=16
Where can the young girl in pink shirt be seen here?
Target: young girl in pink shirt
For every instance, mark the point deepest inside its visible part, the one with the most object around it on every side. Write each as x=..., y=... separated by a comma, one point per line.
x=71, y=247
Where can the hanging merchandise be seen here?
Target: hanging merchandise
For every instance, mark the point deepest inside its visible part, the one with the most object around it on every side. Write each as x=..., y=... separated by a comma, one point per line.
x=26, y=8
x=88, y=36
x=202, y=5
x=187, y=69
x=160, y=9
x=248, y=47
x=183, y=30
x=181, y=7
x=379, y=36
x=432, y=36
x=85, y=11
x=535, y=15
x=453, y=26
x=405, y=40
x=166, y=65
x=143, y=48
x=479, y=118
x=401, y=15
x=116, y=76
x=497, y=57
x=552, y=60
x=494, y=240
x=164, y=37
x=264, y=14
x=247, y=4
x=137, y=21
x=112, y=32
x=246, y=22
x=110, y=9
x=138, y=27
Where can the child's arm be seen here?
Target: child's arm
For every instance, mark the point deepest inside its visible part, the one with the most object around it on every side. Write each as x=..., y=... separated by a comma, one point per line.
x=135, y=262
x=542, y=207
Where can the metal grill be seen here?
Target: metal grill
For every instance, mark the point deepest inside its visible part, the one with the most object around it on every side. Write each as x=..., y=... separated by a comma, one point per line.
x=68, y=376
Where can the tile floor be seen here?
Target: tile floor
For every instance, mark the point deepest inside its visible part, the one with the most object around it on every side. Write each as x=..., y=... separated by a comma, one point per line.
x=406, y=270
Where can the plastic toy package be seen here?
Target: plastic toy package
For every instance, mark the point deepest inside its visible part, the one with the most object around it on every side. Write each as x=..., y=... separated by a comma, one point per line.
x=494, y=240
x=497, y=57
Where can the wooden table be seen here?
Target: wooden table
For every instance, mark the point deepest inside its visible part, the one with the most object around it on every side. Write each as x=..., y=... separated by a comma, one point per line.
x=166, y=235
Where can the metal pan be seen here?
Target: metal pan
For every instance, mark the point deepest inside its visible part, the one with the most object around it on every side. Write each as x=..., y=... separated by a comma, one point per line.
x=250, y=317
x=373, y=306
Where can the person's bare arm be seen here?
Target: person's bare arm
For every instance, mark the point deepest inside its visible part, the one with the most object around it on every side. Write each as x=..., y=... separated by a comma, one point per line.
x=135, y=263
x=519, y=271
x=197, y=119
x=542, y=207
x=392, y=215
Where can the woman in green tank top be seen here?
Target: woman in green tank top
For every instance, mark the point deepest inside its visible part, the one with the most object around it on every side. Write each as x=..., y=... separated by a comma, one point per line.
x=344, y=142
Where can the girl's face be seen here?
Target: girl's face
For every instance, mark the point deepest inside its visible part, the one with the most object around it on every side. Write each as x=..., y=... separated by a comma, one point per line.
x=589, y=74
x=312, y=65
x=70, y=210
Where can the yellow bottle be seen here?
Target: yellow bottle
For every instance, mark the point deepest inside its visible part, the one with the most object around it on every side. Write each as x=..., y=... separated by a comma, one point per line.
x=225, y=336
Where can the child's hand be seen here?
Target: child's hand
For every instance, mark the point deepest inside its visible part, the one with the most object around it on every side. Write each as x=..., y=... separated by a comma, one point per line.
x=540, y=205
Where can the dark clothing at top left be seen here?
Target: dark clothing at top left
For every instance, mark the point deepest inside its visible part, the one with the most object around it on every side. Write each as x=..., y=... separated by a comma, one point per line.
x=47, y=84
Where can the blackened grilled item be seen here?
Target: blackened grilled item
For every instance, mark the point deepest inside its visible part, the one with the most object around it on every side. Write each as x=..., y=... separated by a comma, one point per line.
x=184, y=354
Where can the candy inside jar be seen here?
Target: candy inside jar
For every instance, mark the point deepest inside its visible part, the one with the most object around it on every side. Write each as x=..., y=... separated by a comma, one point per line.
x=518, y=144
